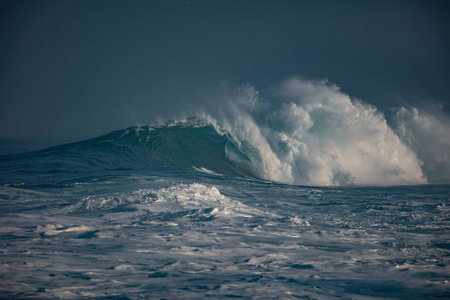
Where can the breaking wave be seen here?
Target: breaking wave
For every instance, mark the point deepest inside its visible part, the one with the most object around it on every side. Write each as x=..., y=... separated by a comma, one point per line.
x=313, y=134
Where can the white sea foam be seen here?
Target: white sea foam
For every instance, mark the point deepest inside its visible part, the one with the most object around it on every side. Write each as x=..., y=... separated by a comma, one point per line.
x=180, y=197
x=199, y=196
x=317, y=135
x=205, y=170
x=51, y=229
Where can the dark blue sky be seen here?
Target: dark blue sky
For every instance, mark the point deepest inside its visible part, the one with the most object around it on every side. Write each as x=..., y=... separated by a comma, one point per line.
x=83, y=68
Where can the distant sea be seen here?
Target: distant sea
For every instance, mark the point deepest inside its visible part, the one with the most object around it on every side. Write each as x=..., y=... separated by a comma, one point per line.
x=14, y=145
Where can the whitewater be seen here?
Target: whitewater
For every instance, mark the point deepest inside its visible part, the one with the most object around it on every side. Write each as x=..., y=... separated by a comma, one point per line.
x=310, y=194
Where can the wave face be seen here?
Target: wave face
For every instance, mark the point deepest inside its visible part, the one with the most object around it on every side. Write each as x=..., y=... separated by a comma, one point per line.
x=313, y=134
x=191, y=143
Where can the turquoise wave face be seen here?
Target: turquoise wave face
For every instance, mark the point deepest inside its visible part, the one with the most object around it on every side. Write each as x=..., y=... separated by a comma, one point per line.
x=191, y=144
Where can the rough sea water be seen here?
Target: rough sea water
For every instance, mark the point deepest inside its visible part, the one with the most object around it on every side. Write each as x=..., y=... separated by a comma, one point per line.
x=317, y=197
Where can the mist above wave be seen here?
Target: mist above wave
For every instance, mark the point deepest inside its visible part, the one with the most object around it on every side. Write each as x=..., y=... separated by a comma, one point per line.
x=428, y=135
x=314, y=134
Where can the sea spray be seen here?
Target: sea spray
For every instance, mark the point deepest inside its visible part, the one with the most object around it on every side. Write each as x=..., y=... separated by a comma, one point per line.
x=314, y=134
x=428, y=134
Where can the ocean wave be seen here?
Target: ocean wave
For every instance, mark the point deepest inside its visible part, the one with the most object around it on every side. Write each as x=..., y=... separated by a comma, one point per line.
x=313, y=134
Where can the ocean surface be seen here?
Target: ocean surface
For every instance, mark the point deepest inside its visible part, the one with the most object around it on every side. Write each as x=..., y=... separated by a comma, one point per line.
x=163, y=212
x=312, y=196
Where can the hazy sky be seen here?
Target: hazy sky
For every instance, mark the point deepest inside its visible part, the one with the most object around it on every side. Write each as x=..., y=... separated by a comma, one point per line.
x=83, y=68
